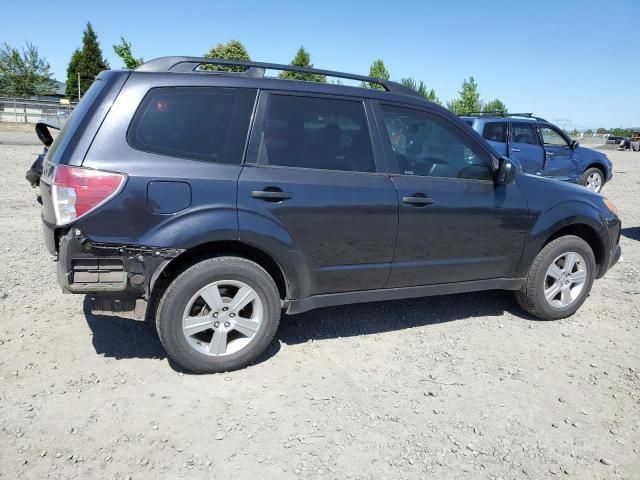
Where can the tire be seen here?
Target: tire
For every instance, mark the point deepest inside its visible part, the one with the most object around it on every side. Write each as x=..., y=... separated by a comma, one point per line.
x=531, y=295
x=588, y=174
x=183, y=302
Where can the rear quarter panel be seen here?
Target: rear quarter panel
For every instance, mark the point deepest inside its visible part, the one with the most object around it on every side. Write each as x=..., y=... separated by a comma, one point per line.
x=128, y=219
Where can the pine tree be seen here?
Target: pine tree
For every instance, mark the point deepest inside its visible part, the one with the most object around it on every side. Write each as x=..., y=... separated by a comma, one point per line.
x=469, y=100
x=24, y=74
x=123, y=50
x=377, y=70
x=232, y=50
x=302, y=59
x=88, y=62
x=71, y=88
x=495, y=106
x=421, y=88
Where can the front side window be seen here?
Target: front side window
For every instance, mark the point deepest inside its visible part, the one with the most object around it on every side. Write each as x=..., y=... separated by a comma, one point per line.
x=314, y=132
x=524, y=133
x=552, y=138
x=495, y=131
x=425, y=145
x=200, y=123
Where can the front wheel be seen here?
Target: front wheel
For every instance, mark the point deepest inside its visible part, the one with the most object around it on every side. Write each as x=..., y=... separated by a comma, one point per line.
x=593, y=179
x=218, y=315
x=559, y=280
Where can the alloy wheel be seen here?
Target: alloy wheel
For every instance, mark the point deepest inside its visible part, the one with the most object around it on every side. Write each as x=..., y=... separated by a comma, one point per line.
x=222, y=318
x=594, y=182
x=565, y=279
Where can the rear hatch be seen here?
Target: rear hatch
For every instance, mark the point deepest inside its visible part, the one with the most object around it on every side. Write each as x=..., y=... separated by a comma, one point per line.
x=74, y=139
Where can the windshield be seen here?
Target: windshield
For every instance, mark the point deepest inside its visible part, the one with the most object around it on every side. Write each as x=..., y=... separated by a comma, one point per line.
x=63, y=138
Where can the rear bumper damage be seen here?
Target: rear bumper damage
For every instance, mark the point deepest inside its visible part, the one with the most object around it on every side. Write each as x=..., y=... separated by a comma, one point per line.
x=114, y=276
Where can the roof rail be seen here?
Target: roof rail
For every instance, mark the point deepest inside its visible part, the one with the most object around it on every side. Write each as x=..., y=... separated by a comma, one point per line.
x=501, y=114
x=257, y=69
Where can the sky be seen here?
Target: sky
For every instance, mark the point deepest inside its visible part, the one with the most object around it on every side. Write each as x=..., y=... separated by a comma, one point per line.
x=574, y=62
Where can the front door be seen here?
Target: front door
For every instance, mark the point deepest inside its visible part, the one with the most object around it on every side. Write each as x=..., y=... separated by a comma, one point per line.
x=559, y=161
x=455, y=223
x=314, y=175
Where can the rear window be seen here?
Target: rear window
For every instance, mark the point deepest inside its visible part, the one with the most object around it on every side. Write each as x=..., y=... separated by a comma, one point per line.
x=495, y=131
x=64, y=137
x=200, y=123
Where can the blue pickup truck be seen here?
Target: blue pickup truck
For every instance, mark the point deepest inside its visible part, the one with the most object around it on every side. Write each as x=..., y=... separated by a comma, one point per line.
x=541, y=148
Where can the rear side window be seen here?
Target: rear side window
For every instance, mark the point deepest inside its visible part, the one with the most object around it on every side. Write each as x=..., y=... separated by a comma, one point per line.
x=201, y=123
x=524, y=133
x=495, y=131
x=313, y=132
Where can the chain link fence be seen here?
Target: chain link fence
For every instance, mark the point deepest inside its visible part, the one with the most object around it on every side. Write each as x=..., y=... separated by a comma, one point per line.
x=20, y=110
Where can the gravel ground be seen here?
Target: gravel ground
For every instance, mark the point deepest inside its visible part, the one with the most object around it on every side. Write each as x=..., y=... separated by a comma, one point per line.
x=463, y=386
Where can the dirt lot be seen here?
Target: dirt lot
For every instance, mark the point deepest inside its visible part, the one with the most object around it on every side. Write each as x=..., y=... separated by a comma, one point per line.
x=464, y=386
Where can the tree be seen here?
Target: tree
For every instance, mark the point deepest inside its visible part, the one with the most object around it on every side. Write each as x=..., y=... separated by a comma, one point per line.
x=302, y=59
x=602, y=131
x=494, y=106
x=123, y=50
x=24, y=74
x=377, y=70
x=232, y=50
x=574, y=132
x=421, y=88
x=469, y=100
x=88, y=62
x=589, y=133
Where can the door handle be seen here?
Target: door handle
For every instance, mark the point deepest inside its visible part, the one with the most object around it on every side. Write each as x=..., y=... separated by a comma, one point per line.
x=515, y=149
x=271, y=195
x=548, y=154
x=419, y=200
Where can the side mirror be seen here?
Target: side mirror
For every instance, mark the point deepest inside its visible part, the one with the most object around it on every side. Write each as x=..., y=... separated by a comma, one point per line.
x=574, y=144
x=506, y=171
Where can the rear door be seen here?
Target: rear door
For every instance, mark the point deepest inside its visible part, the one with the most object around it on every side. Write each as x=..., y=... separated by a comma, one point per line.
x=559, y=162
x=525, y=148
x=455, y=223
x=314, y=180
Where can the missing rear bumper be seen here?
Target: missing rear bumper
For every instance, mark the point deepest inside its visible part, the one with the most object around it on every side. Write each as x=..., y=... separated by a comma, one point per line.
x=117, y=271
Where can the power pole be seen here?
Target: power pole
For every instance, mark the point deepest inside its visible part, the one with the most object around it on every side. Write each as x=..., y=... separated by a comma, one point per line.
x=78, y=86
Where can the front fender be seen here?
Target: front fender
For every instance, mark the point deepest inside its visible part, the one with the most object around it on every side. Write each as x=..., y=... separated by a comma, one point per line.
x=560, y=216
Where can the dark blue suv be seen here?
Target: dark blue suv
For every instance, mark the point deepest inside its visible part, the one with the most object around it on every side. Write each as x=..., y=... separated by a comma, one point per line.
x=541, y=148
x=222, y=199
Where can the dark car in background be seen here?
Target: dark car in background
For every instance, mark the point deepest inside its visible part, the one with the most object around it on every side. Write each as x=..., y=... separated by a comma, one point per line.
x=224, y=199
x=541, y=148
x=615, y=140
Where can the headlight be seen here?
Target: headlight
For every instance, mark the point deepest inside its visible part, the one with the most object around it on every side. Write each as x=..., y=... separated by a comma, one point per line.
x=611, y=206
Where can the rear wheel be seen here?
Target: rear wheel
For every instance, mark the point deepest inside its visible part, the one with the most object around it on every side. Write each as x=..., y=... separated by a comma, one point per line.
x=218, y=315
x=593, y=179
x=559, y=280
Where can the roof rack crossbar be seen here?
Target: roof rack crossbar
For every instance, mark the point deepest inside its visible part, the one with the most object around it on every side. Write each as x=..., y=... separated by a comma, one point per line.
x=258, y=69
x=502, y=114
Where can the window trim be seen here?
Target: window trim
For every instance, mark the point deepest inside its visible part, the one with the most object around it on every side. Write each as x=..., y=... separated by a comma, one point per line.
x=536, y=133
x=146, y=100
x=394, y=169
x=253, y=146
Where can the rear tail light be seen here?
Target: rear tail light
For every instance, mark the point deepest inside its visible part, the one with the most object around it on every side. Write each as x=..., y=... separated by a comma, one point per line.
x=76, y=191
